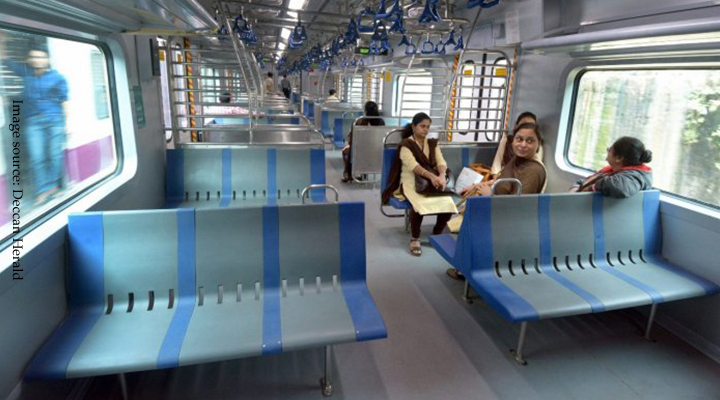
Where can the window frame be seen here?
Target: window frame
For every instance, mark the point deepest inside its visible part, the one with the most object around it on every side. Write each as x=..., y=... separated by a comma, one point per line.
x=567, y=120
x=45, y=225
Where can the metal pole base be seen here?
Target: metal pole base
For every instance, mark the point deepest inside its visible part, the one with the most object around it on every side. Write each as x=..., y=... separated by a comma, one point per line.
x=517, y=354
x=123, y=386
x=518, y=357
x=466, y=292
x=326, y=387
x=651, y=318
x=325, y=384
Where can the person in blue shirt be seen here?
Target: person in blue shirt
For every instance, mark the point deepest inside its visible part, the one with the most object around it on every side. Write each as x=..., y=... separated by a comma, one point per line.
x=45, y=101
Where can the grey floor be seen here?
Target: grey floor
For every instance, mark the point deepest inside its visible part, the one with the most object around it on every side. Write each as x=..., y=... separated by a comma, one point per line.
x=439, y=347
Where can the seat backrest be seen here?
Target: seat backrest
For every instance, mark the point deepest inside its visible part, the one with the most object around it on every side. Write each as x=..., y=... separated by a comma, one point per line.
x=229, y=252
x=500, y=234
x=389, y=155
x=243, y=173
x=515, y=233
x=130, y=260
x=193, y=174
x=567, y=218
x=367, y=148
x=297, y=169
x=459, y=157
x=629, y=228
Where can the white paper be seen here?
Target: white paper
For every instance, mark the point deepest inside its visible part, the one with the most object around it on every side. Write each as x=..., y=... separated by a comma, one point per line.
x=467, y=177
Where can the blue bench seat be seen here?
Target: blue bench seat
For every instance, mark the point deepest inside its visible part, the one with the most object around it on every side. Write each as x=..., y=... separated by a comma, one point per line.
x=243, y=177
x=166, y=288
x=545, y=256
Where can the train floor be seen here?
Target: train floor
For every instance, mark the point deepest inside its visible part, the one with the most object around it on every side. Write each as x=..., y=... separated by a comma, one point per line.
x=439, y=347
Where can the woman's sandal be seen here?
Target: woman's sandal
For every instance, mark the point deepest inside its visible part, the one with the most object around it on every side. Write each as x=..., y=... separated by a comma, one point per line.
x=415, y=248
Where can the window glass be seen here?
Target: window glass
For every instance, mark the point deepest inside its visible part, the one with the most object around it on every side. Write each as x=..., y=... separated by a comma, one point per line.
x=57, y=128
x=675, y=112
x=414, y=94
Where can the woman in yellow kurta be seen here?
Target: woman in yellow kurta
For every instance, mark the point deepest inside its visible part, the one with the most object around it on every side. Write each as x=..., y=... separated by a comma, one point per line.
x=419, y=156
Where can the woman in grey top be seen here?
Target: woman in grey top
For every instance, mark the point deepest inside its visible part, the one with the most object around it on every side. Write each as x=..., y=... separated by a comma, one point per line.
x=626, y=173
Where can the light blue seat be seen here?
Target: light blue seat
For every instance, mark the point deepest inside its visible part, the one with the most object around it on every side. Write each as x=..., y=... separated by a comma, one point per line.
x=165, y=288
x=342, y=126
x=211, y=178
x=544, y=256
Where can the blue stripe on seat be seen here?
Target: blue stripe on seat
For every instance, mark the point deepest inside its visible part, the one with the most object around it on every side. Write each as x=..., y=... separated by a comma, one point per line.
x=174, y=178
x=465, y=158
x=86, y=291
x=365, y=315
x=653, y=243
x=317, y=174
x=480, y=254
x=169, y=355
x=272, y=176
x=226, y=178
x=272, y=333
x=338, y=133
x=600, y=254
x=546, y=256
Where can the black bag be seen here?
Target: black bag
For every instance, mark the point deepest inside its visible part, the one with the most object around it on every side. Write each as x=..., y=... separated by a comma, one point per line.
x=425, y=187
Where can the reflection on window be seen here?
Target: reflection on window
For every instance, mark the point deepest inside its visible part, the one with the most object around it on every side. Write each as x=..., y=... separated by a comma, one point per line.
x=676, y=113
x=54, y=101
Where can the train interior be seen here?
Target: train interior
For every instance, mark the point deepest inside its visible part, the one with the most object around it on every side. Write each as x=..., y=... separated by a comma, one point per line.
x=126, y=125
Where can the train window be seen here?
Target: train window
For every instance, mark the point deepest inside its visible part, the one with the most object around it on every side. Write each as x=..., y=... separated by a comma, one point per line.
x=675, y=112
x=353, y=90
x=413, y=95
x=61, y=137
x=374, y=87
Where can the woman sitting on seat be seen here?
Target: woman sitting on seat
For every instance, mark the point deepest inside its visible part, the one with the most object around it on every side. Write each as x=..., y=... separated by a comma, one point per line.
x=523, y=166
x=504, y=152
x=626, y=173
x=371, y=110
x=419, y=156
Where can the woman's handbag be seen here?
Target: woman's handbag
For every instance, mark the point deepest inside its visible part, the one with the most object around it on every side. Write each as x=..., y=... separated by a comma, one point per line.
x=425, y=187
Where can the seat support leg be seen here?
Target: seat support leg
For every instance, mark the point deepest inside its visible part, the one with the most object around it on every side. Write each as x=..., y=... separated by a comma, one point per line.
x=517, y=354
x=466, y=292
x=653, y=309
x=325, y=383
x=123, y=386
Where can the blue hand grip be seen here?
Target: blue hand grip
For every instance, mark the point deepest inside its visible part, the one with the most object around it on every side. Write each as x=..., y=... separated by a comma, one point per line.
x=410, y=49
x=404, y=41
x=362, y=28
x=440, y=47
x=451, y=39
x=398, y=26
x=482, y=3
x=396, y=12
x=427, y=47
x=460, y=45
x=381, y=12
x=430, y=12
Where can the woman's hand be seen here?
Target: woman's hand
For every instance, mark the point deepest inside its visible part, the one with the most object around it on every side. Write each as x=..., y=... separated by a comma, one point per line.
x=436, y=181
x=485, y=187
x=443, y=180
